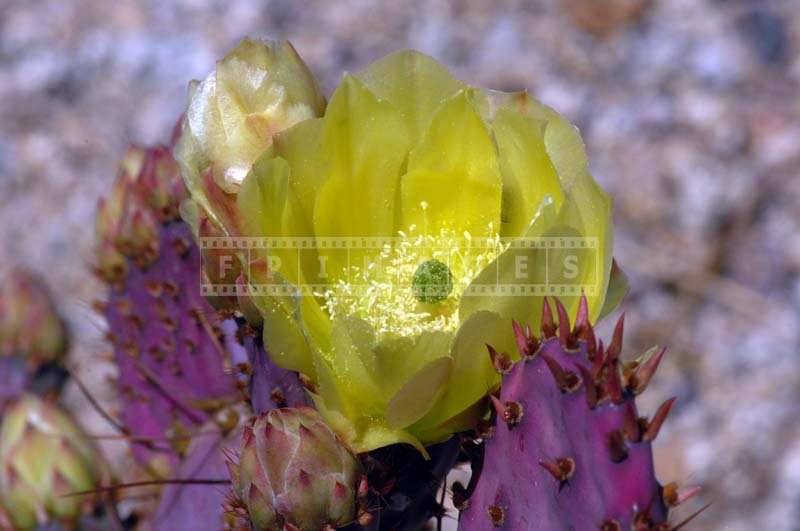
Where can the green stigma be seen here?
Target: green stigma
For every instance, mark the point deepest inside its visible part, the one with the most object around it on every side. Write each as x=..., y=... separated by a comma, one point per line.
x=432, y=281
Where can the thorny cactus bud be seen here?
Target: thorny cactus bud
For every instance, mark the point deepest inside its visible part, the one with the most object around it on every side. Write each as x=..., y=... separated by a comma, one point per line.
x=294, y=473
x=30, y=326
x=570, y=450
x=43, y=457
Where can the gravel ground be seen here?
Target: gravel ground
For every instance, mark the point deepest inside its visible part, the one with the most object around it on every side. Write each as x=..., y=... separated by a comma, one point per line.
x=692, y=120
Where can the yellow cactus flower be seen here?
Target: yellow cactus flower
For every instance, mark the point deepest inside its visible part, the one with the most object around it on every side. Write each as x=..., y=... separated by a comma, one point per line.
x=405, y=229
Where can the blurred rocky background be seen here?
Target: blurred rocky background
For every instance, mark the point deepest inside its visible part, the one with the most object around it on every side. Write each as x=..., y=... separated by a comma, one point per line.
x=691, y=113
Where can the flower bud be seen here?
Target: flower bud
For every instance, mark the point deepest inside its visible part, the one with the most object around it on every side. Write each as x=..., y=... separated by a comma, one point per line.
x=257, y=89
x=30, y=326
x=43, y=457
x=293, y=472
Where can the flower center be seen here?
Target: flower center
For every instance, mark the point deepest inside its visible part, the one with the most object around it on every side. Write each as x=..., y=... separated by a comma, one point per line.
x=414, y=283
x=432, y=281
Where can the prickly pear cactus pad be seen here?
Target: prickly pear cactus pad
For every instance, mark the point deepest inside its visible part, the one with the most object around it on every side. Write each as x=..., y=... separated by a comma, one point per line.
x=445, y=175
x=569, y=449
x=176, y=354
x=167, y=340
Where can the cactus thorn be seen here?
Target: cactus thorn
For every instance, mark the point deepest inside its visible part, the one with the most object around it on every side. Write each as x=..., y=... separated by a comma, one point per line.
x=658, y=420
x=617, y=448
x=564, y=328
x=613, y=383
x=674, y=496
x=691, y=517
x=561, y=469
x=548, y=326
x=644, y=373
x=567, y=381
x=363, y=487
x=501, y=361
x=631, y=425
x=527, y=343
x=592, y=395
x=511, y=412
x=615, y=347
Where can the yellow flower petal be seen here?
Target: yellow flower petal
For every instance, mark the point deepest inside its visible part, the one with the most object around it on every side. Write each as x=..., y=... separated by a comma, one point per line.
x=351, y=353
x=617, y=289
x=366, y=143
x=453, y=180
x=419, y=394
x=283, y=335
x=398, y=359
x=528, y=175
x=414, y=83
x=376, y=435
x=473, y=375
x=301, y=147
x=271, y=209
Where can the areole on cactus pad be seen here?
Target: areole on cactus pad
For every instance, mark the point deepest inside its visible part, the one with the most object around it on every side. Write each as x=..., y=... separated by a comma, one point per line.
x=435, y=171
